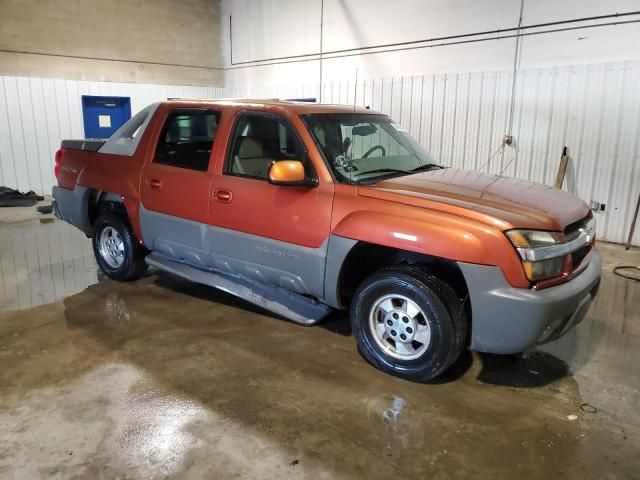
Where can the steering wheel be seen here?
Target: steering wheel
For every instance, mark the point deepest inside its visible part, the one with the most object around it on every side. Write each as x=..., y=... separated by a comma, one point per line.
x=373, y=149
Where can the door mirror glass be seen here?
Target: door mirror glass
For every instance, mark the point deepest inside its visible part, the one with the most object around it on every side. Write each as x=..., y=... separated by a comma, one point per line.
x=289, y=172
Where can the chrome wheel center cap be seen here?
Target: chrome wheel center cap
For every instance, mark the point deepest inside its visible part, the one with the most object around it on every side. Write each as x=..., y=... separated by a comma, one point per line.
x=399, y=326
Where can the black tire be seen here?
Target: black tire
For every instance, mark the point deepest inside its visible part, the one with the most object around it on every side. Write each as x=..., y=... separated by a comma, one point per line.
x=133, y=265
x=442, y=311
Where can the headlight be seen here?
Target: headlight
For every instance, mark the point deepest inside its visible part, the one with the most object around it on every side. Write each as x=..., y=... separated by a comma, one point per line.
x=536, y=249
x=532, y=238
x=543, y=268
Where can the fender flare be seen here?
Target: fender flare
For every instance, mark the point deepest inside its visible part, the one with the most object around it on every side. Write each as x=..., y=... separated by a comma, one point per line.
x=130, y=209
x=440, y=236
x=435, y=234
x=72, y=206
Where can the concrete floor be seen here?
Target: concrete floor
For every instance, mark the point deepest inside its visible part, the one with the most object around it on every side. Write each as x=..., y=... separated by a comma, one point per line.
x=165, y=378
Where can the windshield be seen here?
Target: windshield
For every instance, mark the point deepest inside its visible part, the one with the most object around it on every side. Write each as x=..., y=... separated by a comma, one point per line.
x=362, y=148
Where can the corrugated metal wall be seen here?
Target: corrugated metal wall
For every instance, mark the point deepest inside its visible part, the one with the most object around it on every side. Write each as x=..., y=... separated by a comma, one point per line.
x=460, y=117
x=37, y=113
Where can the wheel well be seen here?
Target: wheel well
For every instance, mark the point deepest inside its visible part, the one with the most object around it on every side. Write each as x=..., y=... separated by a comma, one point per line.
x=100, y=200
x=364, y=259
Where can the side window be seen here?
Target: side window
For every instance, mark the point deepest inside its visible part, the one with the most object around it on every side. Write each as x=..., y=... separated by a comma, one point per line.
x=258, y=141
x=187, y=138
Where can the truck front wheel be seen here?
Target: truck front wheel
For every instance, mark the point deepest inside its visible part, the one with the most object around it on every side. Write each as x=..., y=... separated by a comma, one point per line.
x=116, y=250
x=408, y=323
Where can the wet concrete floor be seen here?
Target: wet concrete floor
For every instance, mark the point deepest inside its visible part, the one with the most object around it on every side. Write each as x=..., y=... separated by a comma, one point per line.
x=162, y=377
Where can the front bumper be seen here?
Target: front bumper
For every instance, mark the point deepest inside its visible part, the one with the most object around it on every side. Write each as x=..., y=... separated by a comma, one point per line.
x=510, y=320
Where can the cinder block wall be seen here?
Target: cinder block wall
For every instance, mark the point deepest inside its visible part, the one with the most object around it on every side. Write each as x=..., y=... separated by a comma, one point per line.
x=136, y=41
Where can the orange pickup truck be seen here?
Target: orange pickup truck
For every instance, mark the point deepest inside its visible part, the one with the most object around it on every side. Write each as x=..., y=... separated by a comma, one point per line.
x=304, y=208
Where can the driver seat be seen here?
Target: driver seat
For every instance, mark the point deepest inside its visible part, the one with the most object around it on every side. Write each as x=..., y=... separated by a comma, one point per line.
x=250, y=159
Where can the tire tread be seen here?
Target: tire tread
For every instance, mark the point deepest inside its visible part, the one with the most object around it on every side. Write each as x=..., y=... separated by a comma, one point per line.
x=135, y=266
x=421, y=279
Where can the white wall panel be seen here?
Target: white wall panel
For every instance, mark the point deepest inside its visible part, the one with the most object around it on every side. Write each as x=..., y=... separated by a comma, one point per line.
x=37, y=113
x=264, y=29
x=462, y=117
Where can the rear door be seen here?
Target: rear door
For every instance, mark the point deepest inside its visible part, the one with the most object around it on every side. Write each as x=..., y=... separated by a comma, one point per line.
x=275, y=234
x=175, y=185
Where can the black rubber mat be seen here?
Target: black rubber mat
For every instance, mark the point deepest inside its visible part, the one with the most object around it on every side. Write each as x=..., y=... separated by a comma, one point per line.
x=13, y=198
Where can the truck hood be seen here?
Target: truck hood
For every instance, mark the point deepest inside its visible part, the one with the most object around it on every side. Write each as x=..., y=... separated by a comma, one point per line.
x=495, y=200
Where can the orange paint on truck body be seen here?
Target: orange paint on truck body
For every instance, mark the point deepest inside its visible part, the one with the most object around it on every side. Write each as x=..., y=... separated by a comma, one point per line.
x=450, y=213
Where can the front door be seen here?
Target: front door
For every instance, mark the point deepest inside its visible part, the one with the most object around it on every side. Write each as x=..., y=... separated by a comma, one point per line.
x=175, y=186
x=275, y=234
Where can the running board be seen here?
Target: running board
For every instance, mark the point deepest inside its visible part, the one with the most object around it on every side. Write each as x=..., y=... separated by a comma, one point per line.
x=292, y=306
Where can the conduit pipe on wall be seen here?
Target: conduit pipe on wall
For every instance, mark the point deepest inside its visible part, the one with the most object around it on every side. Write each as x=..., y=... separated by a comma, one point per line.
x=497, y=34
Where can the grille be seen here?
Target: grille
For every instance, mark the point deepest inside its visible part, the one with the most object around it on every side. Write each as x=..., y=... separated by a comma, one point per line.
x=578, y=256
x=573, y=230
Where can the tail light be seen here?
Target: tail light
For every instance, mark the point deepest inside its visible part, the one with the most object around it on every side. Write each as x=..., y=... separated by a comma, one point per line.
x=56, y=168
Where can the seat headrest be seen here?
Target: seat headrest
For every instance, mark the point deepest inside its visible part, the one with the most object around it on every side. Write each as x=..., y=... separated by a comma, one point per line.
x=250, y=148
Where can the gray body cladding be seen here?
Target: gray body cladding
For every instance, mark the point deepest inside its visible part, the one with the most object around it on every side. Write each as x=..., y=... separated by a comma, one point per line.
x=295, y=268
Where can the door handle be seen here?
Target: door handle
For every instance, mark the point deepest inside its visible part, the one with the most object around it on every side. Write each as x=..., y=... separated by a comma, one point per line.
x=154, y=183
x=223, y=196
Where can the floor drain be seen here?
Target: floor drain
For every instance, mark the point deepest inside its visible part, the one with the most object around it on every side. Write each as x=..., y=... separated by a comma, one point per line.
x=588, y=408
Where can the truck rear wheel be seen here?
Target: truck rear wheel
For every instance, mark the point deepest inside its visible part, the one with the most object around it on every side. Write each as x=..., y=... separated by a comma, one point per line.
x=408, y=323
x=116, y=250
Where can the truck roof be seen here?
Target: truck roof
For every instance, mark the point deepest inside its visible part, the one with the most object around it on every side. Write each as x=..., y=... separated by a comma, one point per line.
x=124, y=142
x=299, y=108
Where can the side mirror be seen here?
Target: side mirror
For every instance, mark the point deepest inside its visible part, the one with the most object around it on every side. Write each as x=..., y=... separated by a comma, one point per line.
x=289, y=173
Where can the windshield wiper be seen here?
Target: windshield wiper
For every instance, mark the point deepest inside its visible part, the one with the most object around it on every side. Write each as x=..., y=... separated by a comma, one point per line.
x=386, y=170
x=428, y=166
x=372, y=180
x=425, y=167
